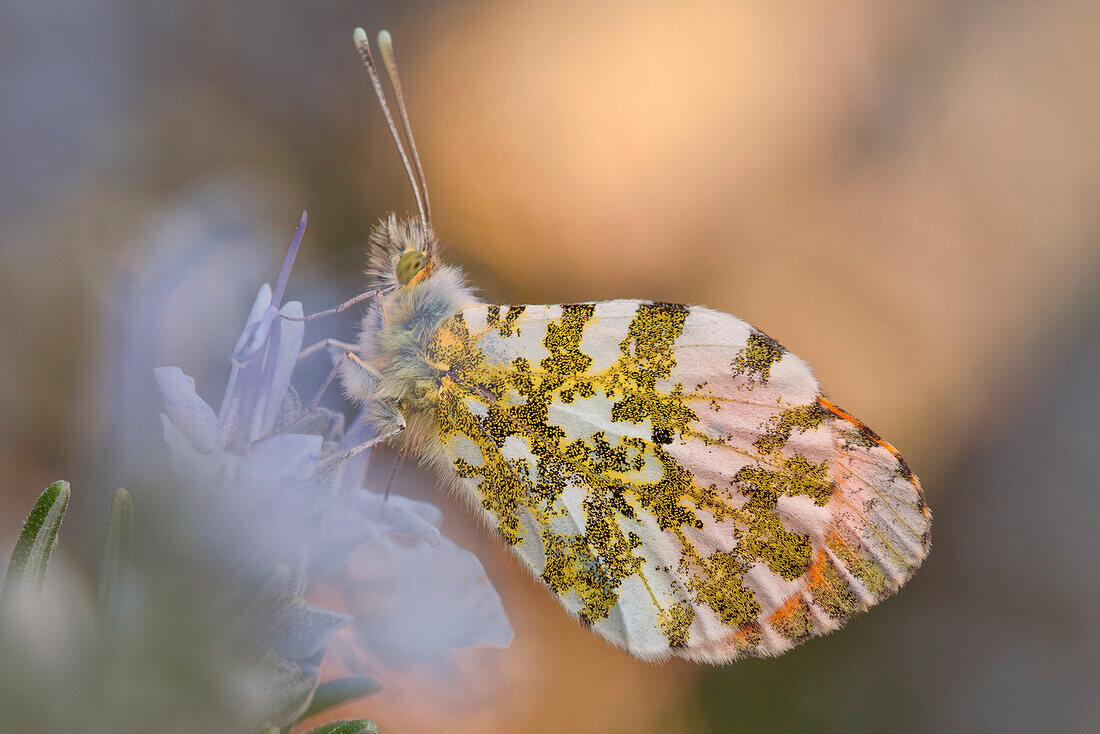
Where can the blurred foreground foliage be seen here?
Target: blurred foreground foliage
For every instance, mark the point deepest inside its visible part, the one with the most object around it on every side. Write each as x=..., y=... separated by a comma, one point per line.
x=59, y=671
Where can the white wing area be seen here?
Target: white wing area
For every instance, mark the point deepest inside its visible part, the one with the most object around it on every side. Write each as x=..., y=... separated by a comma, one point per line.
x=673, y=475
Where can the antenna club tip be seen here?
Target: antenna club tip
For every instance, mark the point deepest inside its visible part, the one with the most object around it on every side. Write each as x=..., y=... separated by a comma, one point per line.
x=359, y=36
x=384, y=38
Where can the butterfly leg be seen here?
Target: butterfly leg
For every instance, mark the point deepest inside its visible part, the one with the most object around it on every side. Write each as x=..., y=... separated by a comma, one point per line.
x=325, y=343
x=338, y=309
x=368, y=444
x=349, y=354
x=397, y=462
x=331, y=375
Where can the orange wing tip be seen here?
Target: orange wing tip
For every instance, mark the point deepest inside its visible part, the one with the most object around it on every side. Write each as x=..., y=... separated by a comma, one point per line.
x=874, y=437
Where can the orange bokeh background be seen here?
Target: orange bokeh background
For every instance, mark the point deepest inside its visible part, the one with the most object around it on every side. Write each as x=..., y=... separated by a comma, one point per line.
x=902, y=194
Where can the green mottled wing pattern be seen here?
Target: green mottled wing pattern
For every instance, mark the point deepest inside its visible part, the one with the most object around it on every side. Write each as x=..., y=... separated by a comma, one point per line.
x=673, y=475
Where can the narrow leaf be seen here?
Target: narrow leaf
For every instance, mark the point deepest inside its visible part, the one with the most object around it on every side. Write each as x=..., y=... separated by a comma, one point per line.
x=27, y=570
x=116, y=552
x=341, y=690
x=347, y=726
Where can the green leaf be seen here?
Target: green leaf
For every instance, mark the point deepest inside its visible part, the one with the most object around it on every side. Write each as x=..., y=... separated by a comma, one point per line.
x=116, y=552
x=341, y=690
x=27, y=570
x=347, y=726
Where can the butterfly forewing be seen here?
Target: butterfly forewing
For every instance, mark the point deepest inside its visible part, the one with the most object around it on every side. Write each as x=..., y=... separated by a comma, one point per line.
x=673, y=474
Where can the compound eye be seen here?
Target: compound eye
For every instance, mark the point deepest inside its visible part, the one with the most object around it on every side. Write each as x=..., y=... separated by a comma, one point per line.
x=412, y=262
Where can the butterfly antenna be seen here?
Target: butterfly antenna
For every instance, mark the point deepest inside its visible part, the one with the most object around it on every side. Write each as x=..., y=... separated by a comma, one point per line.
x=385, y=44
x=363, y=46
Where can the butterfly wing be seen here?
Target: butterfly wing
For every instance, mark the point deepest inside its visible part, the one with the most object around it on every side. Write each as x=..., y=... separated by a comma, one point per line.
x=673, y=475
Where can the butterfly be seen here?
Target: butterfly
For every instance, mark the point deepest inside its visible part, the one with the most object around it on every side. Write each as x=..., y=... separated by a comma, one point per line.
x=672, y=474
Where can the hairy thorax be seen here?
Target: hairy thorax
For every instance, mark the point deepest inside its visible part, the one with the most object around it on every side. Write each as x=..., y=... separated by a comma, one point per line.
x=393, y=342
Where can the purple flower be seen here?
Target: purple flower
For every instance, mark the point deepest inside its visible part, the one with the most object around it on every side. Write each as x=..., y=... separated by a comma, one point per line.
x=440, y=597
x=286, y=488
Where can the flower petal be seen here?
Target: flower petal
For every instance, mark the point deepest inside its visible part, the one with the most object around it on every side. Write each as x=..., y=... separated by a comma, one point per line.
x=285, y=456
x=259, y=308
x=188, y=412
x=266, y=354
x=443, y=600
x=290, y=343
x=202, y=470
x=401, y=514
x=244, y=372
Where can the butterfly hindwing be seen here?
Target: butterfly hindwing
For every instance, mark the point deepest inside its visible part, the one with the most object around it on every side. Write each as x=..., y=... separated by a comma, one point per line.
x=673, y=475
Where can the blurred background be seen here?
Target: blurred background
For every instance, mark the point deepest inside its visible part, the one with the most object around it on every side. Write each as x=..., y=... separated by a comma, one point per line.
x=904, y=194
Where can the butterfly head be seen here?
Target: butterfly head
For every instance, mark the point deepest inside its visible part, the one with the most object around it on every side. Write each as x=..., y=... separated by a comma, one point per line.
x=412, y=267
x=404, y=253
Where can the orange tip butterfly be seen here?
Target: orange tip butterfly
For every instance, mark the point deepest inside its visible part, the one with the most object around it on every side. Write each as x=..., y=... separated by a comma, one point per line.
x=673, y=475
